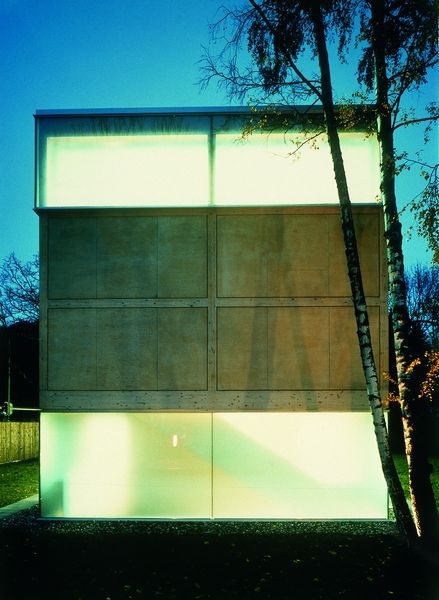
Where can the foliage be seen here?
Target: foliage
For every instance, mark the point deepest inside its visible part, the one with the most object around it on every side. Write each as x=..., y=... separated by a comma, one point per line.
x=409, y=42
x=410, y=50
x=260, y=43
x=274, y=33
x=19, y=290
x=422, y=284
x=398, y=40
x=424, y=207
x=401, y=467
x=429, y=387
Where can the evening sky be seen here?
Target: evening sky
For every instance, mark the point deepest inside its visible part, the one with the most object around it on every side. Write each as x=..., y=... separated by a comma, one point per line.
x=58, y=54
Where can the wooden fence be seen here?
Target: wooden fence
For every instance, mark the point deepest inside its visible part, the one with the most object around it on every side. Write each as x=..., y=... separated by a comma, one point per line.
x=19, y=441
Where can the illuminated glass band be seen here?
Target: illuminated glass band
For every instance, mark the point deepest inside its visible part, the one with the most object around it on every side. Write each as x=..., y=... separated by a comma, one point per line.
x=173, y=170
x=202, y=466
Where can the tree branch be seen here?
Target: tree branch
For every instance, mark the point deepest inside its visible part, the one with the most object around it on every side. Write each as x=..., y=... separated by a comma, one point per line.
x=286, y=52
x=413, y=121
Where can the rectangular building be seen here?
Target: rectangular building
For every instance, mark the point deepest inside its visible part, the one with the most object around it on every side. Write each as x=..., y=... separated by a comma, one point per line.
x=198, y=342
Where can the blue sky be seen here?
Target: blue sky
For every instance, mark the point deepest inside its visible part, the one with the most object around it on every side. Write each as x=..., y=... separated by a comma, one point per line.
x=105, y=53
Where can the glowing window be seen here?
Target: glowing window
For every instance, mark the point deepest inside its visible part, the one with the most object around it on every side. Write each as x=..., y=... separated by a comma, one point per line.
x=296, y=466
x=141, y=170
x=263, y=170
x=126, y=465
x=221, y=465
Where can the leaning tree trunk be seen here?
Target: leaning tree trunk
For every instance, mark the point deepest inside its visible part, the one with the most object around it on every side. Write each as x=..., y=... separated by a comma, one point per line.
x=421, y=492
x=402, y=513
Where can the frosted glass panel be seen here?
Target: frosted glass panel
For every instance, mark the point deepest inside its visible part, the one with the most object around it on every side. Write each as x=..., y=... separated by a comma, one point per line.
x=299, y=466
x=261, y=170
x=142, y=170
x=225, y=465
x=126, y=465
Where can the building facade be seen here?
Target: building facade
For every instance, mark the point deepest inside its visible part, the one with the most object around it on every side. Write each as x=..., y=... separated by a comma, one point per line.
x=198, y=341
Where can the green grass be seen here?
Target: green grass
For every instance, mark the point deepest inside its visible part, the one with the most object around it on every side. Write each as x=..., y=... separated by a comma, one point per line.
x=401, y=467
x=18, y=480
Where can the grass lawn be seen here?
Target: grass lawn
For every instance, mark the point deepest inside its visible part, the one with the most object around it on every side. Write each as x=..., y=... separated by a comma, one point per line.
x=18, y=480
x=401, y=467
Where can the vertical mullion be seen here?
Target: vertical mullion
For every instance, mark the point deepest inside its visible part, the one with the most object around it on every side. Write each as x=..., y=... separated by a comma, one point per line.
x=211, y=159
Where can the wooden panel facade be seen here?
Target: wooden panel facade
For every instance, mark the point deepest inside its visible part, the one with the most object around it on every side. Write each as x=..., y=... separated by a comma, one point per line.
x=206, y=309
x=19, y=441
x=126, y=265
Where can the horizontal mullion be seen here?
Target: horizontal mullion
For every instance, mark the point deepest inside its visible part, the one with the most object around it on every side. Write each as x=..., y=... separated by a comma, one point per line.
x=205, y=401
x=129, y=303
x=303, y=301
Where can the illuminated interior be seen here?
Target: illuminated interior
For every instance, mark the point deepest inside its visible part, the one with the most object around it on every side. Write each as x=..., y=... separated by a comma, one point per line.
x=247, y=170
x=125, y=465
x=158, y=170
x=189, y=169
x=204, y=465
x=296, y=466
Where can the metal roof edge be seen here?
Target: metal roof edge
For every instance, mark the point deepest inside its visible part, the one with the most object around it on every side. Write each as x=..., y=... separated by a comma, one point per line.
x=207, y=110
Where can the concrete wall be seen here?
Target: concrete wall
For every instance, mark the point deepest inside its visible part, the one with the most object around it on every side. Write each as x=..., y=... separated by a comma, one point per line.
x=206, y=309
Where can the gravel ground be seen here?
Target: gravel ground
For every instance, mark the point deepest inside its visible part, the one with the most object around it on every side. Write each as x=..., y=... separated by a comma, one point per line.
x=303, y=560
x=29, y=520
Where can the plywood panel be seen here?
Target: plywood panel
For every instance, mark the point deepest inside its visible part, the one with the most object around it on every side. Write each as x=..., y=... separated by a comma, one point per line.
x=242, y=256
x=242, y=348
x=182, y=348
x=72, y=349
x=272, y=256
x=182, y=257
x=367, y=228
x=297, y=255
x=345, y=362
x=127, y=257
x=298, y=348
x=127, y=349
x=275, y=337
x=72, y=258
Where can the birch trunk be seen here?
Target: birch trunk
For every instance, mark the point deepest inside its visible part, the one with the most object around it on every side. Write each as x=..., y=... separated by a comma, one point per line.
x=402, y=513
x=421, y=492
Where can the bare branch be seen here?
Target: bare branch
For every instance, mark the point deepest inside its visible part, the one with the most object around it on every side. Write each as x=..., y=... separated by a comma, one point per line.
x=286, y=52
x=413, y=121
x=19, y=290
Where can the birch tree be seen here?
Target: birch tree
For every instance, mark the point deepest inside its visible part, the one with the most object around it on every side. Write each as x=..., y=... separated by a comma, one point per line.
x=401, y=46
x=278, y=33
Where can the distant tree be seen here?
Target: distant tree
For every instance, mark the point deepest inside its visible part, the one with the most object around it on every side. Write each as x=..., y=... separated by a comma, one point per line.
x=19, y=290
x=422, y=283
x=19, y=313
x=19, y=368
